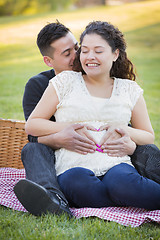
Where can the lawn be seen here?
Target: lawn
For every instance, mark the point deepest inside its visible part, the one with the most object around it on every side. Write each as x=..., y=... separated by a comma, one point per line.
x=20, y=59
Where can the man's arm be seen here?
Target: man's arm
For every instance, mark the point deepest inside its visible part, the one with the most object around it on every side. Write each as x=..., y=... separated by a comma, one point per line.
x=34, y=90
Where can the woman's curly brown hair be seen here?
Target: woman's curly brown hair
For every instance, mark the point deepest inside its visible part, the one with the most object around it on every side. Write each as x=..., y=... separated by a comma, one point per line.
x=122, y=67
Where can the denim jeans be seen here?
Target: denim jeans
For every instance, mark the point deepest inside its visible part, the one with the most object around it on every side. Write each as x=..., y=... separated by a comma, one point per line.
x=122, y=186
x=38, y=160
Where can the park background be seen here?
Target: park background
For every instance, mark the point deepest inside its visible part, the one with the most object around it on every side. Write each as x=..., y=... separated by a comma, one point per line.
x=20, y=59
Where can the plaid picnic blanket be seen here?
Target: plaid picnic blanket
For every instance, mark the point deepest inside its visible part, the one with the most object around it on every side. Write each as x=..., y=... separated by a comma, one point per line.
x=123, y=215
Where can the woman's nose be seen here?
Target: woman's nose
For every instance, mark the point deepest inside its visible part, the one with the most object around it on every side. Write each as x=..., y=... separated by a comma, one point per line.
x=91, y=55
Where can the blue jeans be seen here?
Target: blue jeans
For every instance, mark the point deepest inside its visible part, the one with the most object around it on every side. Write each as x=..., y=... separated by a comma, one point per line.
x=122, y=185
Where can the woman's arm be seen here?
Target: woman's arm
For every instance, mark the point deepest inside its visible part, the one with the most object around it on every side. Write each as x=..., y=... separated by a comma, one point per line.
x=141, y=131
x=38, y=124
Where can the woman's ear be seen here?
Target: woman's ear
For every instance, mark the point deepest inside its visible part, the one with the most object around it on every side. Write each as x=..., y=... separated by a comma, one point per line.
x=116, y=54
x=48, y=61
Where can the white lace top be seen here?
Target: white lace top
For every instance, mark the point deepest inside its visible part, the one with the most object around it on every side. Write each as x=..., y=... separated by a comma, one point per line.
x=76, y=105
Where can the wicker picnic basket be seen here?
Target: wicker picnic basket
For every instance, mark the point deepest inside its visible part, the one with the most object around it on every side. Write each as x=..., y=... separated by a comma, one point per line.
x=12, y=140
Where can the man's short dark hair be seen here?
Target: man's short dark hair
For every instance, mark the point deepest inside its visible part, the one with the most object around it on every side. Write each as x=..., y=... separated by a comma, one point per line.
x=50, y=33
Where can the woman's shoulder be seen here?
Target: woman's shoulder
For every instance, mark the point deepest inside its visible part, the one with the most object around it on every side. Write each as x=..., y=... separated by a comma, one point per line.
x=127, y=87
x=65, y=78
x=127, y=83
x=65, y=82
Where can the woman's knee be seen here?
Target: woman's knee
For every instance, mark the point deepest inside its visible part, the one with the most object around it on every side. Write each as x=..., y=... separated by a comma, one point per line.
x=74, y=176
x=74, y=179
x=118, y=176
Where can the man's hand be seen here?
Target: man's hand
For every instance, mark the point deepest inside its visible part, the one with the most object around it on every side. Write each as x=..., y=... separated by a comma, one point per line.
x=117, y=144
x=74, y=138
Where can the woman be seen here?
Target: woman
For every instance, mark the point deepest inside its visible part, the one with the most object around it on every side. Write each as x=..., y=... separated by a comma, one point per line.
x=100, y=92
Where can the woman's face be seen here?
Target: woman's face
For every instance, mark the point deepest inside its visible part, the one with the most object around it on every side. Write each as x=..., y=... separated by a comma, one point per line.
x=96, y=55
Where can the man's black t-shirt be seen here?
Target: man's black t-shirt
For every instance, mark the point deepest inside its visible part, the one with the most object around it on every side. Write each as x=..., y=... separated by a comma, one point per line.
x=33, y=92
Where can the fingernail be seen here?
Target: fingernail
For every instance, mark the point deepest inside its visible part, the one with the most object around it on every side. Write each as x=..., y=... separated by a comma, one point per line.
x=84, y=153
x=98, y=145
x=99, y=150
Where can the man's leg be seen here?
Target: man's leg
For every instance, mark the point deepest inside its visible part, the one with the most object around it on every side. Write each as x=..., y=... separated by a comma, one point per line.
x=146, y=160
x=40, y=191
x=38, y=160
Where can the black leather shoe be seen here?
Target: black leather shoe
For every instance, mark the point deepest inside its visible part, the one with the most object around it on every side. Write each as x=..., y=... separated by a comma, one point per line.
x=37, y=200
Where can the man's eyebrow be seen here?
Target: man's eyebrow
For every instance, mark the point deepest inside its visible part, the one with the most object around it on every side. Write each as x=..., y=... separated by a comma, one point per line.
x=68, y=49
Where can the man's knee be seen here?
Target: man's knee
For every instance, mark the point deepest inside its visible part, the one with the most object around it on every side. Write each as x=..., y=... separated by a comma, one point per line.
x=36, y=150
x=29, y=147
x=32, y=147
x=146, y=149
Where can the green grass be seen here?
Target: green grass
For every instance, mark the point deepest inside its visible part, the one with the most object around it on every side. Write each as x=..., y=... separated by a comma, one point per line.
x=20, y=59
x=18, y=226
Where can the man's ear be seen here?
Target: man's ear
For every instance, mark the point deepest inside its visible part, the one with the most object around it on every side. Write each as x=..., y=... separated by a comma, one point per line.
x=48, y=61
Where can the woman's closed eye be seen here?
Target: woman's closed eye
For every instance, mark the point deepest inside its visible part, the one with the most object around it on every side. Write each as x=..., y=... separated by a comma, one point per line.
x=84, y=51
x=87, y=51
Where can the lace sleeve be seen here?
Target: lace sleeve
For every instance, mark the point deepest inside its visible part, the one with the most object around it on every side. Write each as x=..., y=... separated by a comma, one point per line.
x=135, y=91
x=62, y=83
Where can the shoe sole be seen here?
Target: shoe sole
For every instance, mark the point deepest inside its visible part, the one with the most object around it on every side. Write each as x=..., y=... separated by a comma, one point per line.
x=34, y=198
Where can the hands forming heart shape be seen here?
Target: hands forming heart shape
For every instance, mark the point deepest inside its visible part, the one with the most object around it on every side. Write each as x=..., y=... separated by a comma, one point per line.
x=111, y=139
x=106, y=134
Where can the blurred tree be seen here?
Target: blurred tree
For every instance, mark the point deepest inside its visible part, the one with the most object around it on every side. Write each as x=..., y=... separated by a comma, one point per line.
x=60, y=4
x=12, y=7
x=83, y=3
x=17, y=7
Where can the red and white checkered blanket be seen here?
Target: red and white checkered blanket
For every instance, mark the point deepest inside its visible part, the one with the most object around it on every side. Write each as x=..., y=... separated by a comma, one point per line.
x=123, y=215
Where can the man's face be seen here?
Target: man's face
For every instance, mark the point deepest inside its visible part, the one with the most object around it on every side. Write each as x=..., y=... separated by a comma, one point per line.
x=64, y=53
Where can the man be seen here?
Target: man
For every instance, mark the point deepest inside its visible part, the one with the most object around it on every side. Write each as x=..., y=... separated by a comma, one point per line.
x=40, y=193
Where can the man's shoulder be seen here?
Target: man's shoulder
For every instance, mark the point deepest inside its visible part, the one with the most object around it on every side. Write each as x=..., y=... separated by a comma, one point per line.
x=42, y=78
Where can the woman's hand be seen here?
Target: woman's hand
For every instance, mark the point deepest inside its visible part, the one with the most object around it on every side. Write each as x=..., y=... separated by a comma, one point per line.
x=116, y=142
